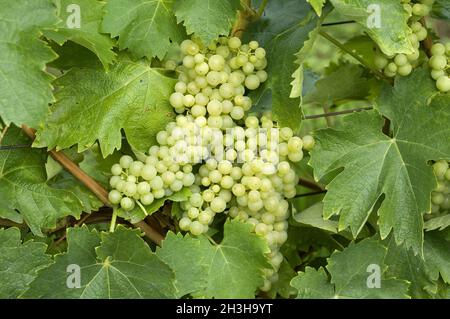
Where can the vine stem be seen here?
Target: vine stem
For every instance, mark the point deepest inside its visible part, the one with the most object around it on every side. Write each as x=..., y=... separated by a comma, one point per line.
x=112, y=226
x=330, y=24
x=93, y=186
x=315, y=116
x=353, y=54
x=310, y=184
x=261, y=8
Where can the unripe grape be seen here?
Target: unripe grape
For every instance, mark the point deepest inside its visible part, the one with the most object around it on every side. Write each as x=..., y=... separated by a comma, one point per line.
x=438, y=62
x=147, y=199
x=436, y=74
x=218, y=205
x=252, y=82
x=400, y=59
x=443, y=84
x=184, y=223
x=308, y=142
x=405, y=70
x=136, y=168
x=125, y=161
x=260, y=53
x=196, y=228
x=127, y=203
x=234, y=43
x=114, y=197
x=176, y=100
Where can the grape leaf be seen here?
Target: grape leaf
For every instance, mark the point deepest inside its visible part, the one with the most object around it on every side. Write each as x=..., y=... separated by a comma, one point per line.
x=441, y=10
x=393, y=170
x=66, y=181
x=391, y=34
x=422, y=273
x=345, y=82
x=24, y=186
x=72, y=55
x=312, y=216
x=317, y=5
x=313, y=284
x=187, y=257
x=282, y=31
x=207, y=19
x=25, y=89
x=234, y=268
x=437, y=255
x=112, y=265
x=145, y=27
x=92, y=104
x=87, y=32
x=351, y=271
x=19, y=263
x=440, y=222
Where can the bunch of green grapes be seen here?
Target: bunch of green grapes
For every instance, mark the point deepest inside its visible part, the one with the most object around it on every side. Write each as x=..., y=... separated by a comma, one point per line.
x=234, y=163
x=213, y=79
x=403, y=64
x=440, y=197
x=439, y=66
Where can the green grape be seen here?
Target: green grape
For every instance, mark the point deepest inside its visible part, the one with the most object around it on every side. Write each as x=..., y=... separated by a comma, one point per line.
x=184, y=223
x=127, y=203
x=400, y=60
x=114, y=197
x=214, y=107
x=308, y=142
x=252, y=82
x=125, y=161
x=436, y=74
x=438, y=62
x=234, y=43
x=443, y=83
x=405, y=70
x=196, y=228
x=147, y=199
x=216, y=62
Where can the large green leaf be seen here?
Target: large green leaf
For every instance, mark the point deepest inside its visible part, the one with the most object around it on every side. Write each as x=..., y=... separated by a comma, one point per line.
x=19, y=262
x=94, y=105
x=207, y=19
x=24, y=187
x=391, y=34
x=112, y=265
x=231, y=269
x=89, y=15
x=25, y=89
x=351, y=272
x=146, y=27
x=345, y=82
x=380, y=168
x=282, y=31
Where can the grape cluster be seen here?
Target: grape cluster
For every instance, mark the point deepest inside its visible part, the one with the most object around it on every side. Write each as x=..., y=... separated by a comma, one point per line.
x=235, y=164
x=213, y=80
x=403, y=64
x=440, y=197
x=439, y=66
